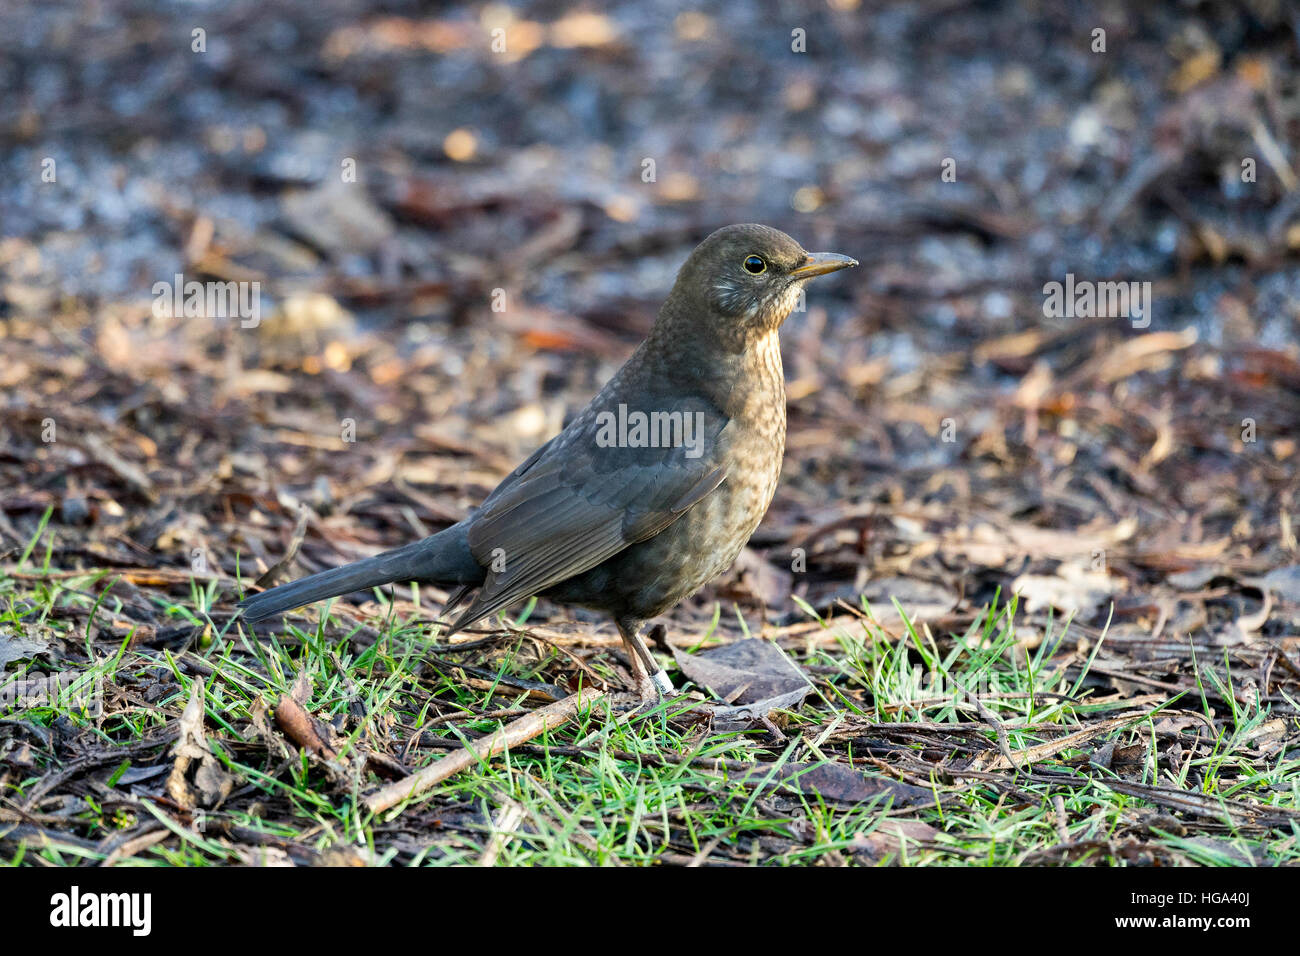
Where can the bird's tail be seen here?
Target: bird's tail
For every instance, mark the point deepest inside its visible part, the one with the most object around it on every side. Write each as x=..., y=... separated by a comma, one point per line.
x=443, y=558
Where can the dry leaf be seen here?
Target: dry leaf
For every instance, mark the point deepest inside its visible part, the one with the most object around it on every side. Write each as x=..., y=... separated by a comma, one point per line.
x=836, y=783
x=213, y=783
x=1073, y=590
x=887, y=840
x=744, y=672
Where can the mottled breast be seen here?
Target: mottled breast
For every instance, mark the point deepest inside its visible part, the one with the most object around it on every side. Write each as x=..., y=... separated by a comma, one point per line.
x=647, y=578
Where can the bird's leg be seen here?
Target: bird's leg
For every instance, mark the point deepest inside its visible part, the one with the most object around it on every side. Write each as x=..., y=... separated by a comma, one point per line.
x=651, y=681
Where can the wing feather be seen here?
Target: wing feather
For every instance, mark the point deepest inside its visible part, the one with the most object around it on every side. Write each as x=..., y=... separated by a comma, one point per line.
x=574, y=504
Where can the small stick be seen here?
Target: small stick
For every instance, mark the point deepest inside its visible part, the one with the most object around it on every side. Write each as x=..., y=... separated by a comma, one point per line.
x=513, y=733
x=507, y=822
x=299, y=533
x=1062, y=821
x=1004, y=742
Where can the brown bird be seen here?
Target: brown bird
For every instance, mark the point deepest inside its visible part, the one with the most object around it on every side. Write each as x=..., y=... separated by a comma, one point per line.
x=653, y=489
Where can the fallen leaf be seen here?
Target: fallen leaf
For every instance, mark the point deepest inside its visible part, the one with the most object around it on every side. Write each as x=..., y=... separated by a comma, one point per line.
x=15, y=646
x=770, y=584
x=1072, y=590
x=744, y=672
x=1285, y=582
x=889, y=837
x=920, y=600
x=836, y=783
x=338, y=218
x=213, y=783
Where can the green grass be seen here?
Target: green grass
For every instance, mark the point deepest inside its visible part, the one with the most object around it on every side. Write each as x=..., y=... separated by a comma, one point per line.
x=609, y=788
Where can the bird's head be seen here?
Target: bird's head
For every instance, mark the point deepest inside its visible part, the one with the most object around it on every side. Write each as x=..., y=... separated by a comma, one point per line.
x=748, y=277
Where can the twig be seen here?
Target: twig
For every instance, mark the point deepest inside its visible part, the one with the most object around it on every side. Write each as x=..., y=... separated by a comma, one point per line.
x=1062, y=821
x=1004, y=742
x=516, y=732
x=1039, y=752
x=154, y=834
x=295, y=542
x=141, y=577
x=503, y=828
x=1273, y=155
x=124, y=469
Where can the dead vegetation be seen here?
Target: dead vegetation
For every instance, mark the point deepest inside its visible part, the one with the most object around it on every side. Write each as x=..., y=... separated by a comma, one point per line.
x=950, y=445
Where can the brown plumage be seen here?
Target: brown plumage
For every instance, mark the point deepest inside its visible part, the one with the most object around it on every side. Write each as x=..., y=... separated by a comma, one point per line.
x=623, y=520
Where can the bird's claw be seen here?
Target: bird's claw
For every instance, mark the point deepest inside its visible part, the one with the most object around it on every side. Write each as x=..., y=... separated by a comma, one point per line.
x=649, y=692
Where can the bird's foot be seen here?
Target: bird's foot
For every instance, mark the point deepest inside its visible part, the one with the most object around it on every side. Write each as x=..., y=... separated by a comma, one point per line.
x=648, y=692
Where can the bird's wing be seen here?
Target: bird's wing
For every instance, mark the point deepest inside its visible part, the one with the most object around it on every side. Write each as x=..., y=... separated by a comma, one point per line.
x=577, y=502
x=515, y=475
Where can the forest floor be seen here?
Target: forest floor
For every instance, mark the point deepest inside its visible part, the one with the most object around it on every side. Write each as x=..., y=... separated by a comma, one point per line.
x=1029, y=592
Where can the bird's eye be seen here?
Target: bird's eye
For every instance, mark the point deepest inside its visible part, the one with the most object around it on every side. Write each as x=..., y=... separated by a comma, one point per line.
x=755, y=265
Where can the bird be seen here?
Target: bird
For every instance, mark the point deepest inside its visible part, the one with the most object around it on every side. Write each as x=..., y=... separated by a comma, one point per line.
x=650, y=491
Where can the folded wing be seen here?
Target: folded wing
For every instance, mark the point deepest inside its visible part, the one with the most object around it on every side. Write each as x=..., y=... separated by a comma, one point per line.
x=579, y=501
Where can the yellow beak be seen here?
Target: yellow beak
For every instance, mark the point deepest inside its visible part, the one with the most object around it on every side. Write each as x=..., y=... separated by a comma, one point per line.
x=820, y=263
